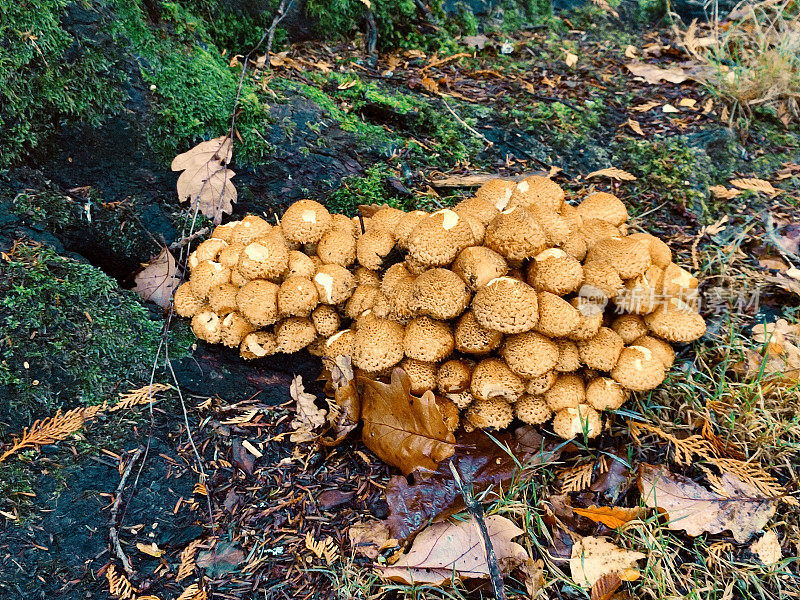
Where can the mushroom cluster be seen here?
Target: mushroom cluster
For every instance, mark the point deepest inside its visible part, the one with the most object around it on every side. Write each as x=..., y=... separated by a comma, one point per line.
x=512, y=304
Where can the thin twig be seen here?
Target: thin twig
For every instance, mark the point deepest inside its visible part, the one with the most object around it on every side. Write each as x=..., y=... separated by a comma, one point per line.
x=113, y=531
x=475, y=509
x=283, y=10
x=189, y=239
x=466, y=125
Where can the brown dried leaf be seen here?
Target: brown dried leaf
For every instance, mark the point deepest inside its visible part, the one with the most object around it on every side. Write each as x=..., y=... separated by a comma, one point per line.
x=534, y=577
x=612, y=173
x=634, y=125
x=158, y=280
x=308, y=416
x=594, y=557
x=767, y=548
x=696, y=510
x=206, y=178
x=604, y=588
x=368, y=538
x=150, y=549
x=720, y=191
x=445, y=549
x=404, y=431
x=646, y=106
x=610, y=516
x=570, y=59
x=755, y=185
x=654, y=75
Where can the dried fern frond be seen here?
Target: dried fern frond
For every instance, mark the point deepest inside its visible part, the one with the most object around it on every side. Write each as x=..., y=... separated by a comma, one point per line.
x=715, y=552
x=47, y=431
x=685, y=449
x=193, y=592
x=142, y=395
x=118, y=584
x=576, y=479
x=188, y=556
x=722, y=447
x=752, y=474
x=321, y=548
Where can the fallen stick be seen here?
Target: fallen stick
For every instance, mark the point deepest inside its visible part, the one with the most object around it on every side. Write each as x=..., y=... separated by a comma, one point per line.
x=113, y=533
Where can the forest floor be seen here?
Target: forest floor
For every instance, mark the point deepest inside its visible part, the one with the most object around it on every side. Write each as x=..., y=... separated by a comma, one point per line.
x=410, y=130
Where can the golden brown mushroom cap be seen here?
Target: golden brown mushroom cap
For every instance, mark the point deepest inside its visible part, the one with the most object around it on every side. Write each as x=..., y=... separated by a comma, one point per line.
x=532, y=410
x=428, y=340
x=265, y=258
x=294, y=333
x=601, y=351
x=363, y=298
x=496, y=192
x=305, y=222
x=326, y=320
x=297, y=297
x=207, y=325
x=629, y=327
x=341, y=343
x=577, y=421
x=591, y=314
x=529, y=354
x=539, y=385
x=422, y=374
x=237, y=278
x=206, y=276
x=453, y=376
x=660, y=349
x=366, y=276
x=638, y=369
x=248, y=229
x=257, y=345
x=567, y=391
x=407, y=224
x=478, y=265
x=373, y=246
x=378, y=344
x=222, y=299
x=209, y=249
x=604, y=206
x=334, y=284
x=415, y=267
x=185, y=302
x=659, y=251
x=461, y=399
x=400, y=301
x=223, y=232
x=234, y=329
x=449, y=412
x=437, y=239
x=472, y=338
x=492, y=378
x=258, y=302
x=506, y=305
x=516, y=235
x=557, y=317
x=493, y=412
x=628, y=257
x=393, y=276
x=229, y=255
x=596, y=230
x=676, y=322
x=301, y=265
x=677, y=282
x=556, y=228
x=345, y=224
x=569, y=357
x=478, y=208
x=603, y=277
x=575, y=246
x=337, y=247
x=387, y=218
x=556, y=272
x=603, y=393
x=537, y=191
x=438, y=293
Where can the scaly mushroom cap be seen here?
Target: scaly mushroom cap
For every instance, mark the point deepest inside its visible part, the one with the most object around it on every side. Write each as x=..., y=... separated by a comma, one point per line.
x=363, y=298
x=539, y=385
x=604, y=206
x=341, y=343
x=428, y=340
x=345, y=224
x=222, y=299
x=449, y=412
x=317, y=347
x=393, y=275
x=569, y=357
x=258, y=302
x=567, y=391
x=478, y=208
x=294, y=333
x=596, y=230
x=249, y=229
x=380, y=308
x=603, y=277
x=603, y=393
x=400, y=302
x=326, y=320
x=506, y=305
x=581, y=421
x=472, y=338
x=557, y=317
x=601, y=351
x=337, y=247
x=660, y=253
x=373, y=247
x=438, y=239
x=209, y=249
x=266, y=258
x=529, y=354
x=206, y=276
x=575, y=246
x=301, y=265
x=591, y=315
x=660, y=349
x=556, y=228
x=422, y=374
x=496, y=192
x=334, y=284
x=516, y=235
x=234, y=329
x=493, y=413
x=492, y=378
x=478, y=265
x=676, y=322
x=556, y=272
x=366, y=276
x=229, y=255
x=223, y=232
x=641, y=295
x=438, y=293
x=638, y=369
x=387, y=218
x=207, y=325
x=538, y=191
x=453, y=376
x=629, y=327
x=305, y=222
x=628, y=257
x=532, y=410
x=258, y=345
x=477, y=228
x=679, y=283
x=237, y=278
x=185, y=302
x=406, y=225
x=297, y=297
x=378, y=344
x=461, y=399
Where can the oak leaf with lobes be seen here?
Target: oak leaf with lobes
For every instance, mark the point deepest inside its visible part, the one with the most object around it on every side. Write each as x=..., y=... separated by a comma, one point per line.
x=206, y=178
x=405, y=431
x=158, y=280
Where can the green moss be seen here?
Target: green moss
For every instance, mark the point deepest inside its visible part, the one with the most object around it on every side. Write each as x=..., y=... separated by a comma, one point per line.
x=372, y=188
x=71, y=335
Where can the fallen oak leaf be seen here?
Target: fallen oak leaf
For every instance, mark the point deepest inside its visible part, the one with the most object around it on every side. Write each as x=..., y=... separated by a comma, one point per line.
x=612, y=173
x=696, y=510
x=158, y=280
x=308, y=416
x=405, y=431
x=206, y=178
x=720, y=191
x=594, y=557
x=767, y=548
x=654, y=75
x=449, y=549
x=755, y=185
x=368, y=538
x=610, y=516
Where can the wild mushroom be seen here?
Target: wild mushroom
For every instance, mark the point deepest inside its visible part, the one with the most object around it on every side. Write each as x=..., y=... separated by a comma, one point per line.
x=478, y=265
x=334, y=284
x=496, y=192
x=326, y=320
x=591, y=314
x=297, y=297
x=266, y=258
x=341, y=343
x=557, y=317
x=439, y=293
x=676, y=322
x=427, y=340
x=234, y=329
x=209, y=249
x=207, y=325
x=602, y=277
x=294, y=333
x=222, y=299
x=575, y=421
x=506, y=305
x=247, y=230
x=387, y=218
x=628, y=257
x=629, y=327
x=472, y=338
x=478, y=208
x=516, y=235
x=603, y=393
x=538, y=191
x=229, y=255
x=601, y=351
x=638, y=369
x=492, y=378
x=206, y=276
x=373, y=247
x=660, y=253
x=422, y=374
x=529, y=354
x=305, y=222
x=363, y=298
x=539, y=385
x=258, y=302
x=257, y=345
x=596, y=230
x=364, y=276
x=337, y=247
x=378, y=344
x=556, y=272
x=660, y=349
x=604, y=206
x=490, y=413
x=454, y=376
x=437, y=239
x=567, y=391
x=185, y=302
x=532, y=410
x=569, y=357
x=449, y=412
